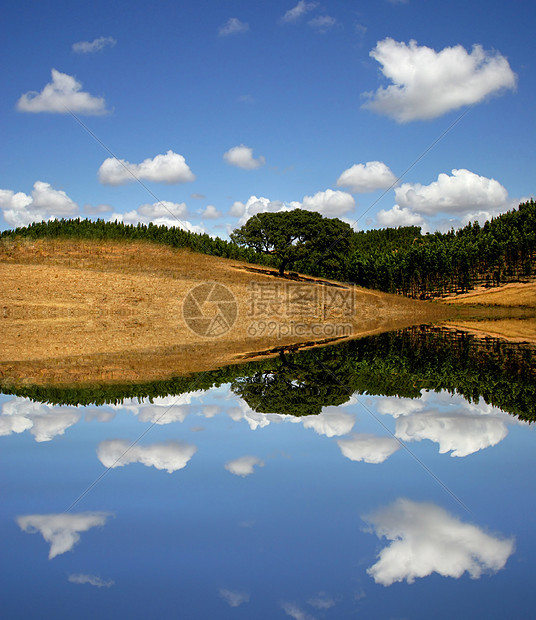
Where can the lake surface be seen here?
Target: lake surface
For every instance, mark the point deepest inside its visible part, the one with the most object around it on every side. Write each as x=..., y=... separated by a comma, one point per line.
x=389, y=477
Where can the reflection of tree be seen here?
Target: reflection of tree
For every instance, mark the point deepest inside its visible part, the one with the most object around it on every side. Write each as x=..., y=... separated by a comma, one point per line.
x=292, y=387
x=398, y=363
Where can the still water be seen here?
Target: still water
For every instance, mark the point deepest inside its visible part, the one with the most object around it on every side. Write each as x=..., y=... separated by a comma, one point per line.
x=390, y=477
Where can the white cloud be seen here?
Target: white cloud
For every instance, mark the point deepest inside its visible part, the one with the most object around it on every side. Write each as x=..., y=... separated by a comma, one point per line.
x=331, y=203
x=322, y=23
x=234, y=599
x=233, y=26
x=368, y=448
x=256, y=205
x=171, y=456
x=322, y=602
x=61, y=96
x=462, y=192
x=168, y=168
x=459, y=432
x=330, y=423
x=44, y=422
x=92, y=580
x=244, y=465
x=301, y=9
x=399, y=217
x=294, y=611
x=363, y=178
x=211, y=213
x=88, y=47
x=242, y=157
x=427, y=539
x=97, y=209
x=427, y=84
x=45, y=203
x=62, y=531
x=163, y=213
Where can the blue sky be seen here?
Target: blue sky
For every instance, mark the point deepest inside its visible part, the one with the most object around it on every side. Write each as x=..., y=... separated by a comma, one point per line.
x=221, y=109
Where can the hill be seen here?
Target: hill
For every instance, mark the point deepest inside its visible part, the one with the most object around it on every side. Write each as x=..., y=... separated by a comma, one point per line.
x=82, y=311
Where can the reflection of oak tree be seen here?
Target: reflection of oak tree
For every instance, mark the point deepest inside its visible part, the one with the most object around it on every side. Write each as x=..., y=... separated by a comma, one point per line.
x=294, y=386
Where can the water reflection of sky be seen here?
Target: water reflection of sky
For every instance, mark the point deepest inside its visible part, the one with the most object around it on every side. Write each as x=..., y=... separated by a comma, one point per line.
x=221, y=512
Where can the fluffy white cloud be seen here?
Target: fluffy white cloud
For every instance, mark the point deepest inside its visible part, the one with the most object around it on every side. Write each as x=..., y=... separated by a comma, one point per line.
x=88, y=47
x=459, y=432
x=369, y=177
x=44, y=422
x=211, y=213
x=255, y=205
x=244, y=465
x=331, y=423
x=242, y=157
x=462, y=192
x=427, y=539
x=233, y=26
x=427, y=84
x=331, y=203
x=61, y=96
x=163, y=213
x=62, y=531
x=168, y=168
x=322, y=23
x=234, y=599
x=395, y=217
x=368, y=448
x=171, y=456
x=45, y=203
x=302, y=8
x=92, y=580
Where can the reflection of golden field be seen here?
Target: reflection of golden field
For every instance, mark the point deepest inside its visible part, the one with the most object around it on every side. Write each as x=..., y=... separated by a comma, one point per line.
x=515, y=330
x=79, y=311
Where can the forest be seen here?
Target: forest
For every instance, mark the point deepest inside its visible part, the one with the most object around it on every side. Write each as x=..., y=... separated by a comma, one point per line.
x=395, y=260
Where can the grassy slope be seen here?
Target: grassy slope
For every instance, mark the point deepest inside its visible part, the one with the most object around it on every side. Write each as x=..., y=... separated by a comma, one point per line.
x=79, y=311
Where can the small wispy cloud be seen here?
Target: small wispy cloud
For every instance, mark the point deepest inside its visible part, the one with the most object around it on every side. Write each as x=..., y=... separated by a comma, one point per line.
x=233, y=26
x=301, y=9
x=89, y=47
x=92, y=580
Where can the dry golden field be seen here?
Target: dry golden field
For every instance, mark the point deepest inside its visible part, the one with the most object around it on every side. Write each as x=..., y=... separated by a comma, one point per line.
x=82, y=311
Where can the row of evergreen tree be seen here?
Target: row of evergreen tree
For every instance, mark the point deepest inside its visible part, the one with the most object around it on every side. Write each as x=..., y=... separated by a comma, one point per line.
x=397, y=260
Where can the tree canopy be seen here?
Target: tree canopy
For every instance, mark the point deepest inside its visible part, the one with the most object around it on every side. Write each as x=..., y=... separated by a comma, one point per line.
x=297, y=235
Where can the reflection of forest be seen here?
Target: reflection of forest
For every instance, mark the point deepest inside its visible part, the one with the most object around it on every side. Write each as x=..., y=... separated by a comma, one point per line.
x=400, y=363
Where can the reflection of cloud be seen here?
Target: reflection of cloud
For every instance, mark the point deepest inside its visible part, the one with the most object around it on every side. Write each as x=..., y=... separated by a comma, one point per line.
x=322, y=601
x=427, y=539
x=92, y=580
x=368, y=448
x=450, y=421
x=244, y=465
x=330, y=423
x=163, y=409
x=170, y=456
x=458, y=431
x=44, y=422
x=234, y=599
x=292, y=610
x=62, y=531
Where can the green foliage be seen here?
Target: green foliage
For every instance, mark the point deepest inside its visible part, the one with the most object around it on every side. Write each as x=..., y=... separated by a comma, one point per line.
x=298, y=237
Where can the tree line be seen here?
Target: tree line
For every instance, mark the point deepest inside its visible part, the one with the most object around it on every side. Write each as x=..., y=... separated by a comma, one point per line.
x=395, y=260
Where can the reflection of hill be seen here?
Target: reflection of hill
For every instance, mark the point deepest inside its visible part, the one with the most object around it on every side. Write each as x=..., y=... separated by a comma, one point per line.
x=400, y=363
